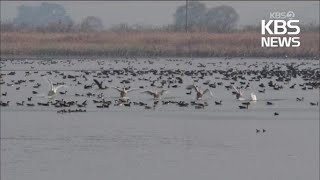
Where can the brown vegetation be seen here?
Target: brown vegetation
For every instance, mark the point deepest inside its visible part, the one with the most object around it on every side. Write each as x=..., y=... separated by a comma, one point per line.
x=109, y=43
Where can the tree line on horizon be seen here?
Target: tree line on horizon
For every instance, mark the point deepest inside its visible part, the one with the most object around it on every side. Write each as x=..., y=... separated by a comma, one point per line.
x=49, y=17
x=52, y=17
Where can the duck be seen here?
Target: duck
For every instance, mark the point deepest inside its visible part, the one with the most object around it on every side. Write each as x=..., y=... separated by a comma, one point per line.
x=245, y=107
x=30, y=104
x=99, y=84
x=299, y=99
x=5, y=103
x=218, y=102
x=20, y=104
x=269, y=103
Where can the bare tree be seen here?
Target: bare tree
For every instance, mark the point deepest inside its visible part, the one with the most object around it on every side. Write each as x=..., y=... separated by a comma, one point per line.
x=41, y=16
x=221, y=19
x=91, y=23
x=196, y=15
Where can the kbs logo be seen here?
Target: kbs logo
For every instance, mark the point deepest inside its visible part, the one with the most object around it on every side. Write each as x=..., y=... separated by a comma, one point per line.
x=284, y=30
x=282, y=15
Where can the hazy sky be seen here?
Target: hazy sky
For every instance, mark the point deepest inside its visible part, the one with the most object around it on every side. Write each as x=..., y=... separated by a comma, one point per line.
x=161, y=12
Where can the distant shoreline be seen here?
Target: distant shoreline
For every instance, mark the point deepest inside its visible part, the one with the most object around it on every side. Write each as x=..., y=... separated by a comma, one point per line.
x=150, y=44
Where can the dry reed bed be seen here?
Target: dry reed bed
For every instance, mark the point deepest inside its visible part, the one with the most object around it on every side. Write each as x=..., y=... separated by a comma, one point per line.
x=202, y=44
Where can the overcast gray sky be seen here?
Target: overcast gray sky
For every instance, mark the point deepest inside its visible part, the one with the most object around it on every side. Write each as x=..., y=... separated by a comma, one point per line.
x=161, y=12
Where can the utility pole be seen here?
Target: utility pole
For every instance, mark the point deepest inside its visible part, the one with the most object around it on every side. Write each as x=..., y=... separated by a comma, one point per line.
x=187, y=9
x=186, y=16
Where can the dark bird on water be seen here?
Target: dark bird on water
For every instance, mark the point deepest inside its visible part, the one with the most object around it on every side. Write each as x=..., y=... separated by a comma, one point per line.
x=99, y=84
x=258, y=130
x=314, y=104
x=218, y=102
x=269, y=103
x=300, y=99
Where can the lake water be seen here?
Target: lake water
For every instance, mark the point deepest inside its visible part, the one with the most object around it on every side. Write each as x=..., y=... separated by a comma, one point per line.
x=167, y=142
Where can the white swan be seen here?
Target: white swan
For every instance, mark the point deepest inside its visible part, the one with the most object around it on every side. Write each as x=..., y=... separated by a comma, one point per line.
x=53, y=89
x=253, y=97
x=124, y=92
x=239, y=93
x=156, y=94
x=200, y=93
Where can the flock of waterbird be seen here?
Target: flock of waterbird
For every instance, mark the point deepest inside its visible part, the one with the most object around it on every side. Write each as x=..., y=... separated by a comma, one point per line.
x=160, y=79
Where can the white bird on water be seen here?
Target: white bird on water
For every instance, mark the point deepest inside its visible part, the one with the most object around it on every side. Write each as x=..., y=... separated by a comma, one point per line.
x=200, y=93
x=253, y=97
x=53, y=89
x=156, y=94
x=239, y=93
x=124, y=92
